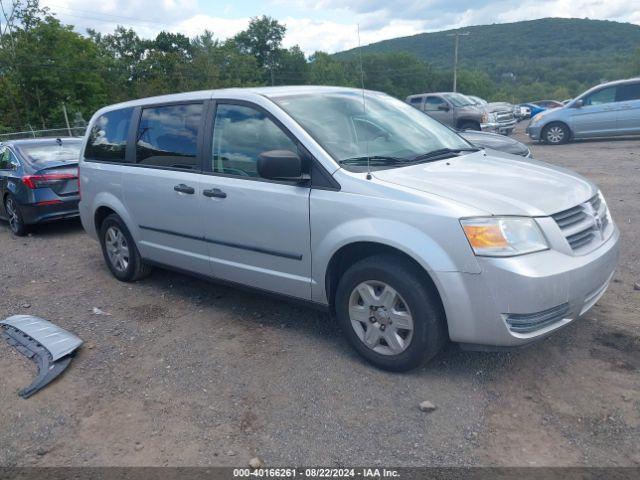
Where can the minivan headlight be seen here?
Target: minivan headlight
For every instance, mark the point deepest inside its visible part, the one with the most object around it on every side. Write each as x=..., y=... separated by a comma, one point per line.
x=503, y=236
x=536, y=118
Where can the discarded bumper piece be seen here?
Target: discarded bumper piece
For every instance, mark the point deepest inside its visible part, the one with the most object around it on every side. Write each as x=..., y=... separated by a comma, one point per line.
x=48, y=345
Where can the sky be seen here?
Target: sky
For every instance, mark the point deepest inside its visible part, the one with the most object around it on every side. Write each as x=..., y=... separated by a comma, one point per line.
x=327, y=25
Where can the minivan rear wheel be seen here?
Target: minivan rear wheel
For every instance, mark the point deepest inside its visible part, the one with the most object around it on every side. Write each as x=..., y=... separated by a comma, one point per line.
x=389, y=314
x=120, y=251
x=555, y=134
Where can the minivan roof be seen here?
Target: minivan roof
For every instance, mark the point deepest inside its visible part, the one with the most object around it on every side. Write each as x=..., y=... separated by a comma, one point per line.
x=238, y=93
x=607, y=84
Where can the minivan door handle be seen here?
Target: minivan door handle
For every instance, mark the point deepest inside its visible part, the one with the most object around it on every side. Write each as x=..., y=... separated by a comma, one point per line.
x=182, y=188
x=214, y=192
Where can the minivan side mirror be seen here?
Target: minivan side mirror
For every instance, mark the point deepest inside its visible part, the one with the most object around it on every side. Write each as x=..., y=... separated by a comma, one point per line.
x=444, y=107
x=280, y=165
x=578, y=103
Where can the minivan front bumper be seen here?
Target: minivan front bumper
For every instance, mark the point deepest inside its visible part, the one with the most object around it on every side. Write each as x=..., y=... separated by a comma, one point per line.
x=517, y=300
x=534, y=132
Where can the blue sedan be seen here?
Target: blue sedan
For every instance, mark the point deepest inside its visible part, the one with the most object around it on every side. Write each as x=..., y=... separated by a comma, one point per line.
x=38, y=181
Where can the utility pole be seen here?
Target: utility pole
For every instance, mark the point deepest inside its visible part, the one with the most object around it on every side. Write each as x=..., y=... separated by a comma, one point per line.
x=457, y=36
x=66, y=118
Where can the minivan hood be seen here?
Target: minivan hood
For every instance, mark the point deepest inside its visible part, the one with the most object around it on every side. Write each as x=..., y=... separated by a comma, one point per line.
x=499, y=186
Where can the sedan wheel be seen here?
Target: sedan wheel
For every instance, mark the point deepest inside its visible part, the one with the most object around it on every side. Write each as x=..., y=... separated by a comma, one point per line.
x=16, y=224
x=380, y=318
x=117, y=249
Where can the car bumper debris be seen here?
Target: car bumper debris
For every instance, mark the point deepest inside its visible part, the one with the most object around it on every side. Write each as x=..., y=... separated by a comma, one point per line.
x=46, y=344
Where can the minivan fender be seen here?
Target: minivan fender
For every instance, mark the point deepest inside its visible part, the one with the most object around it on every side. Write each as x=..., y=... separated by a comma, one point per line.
x=112, y=202
x=413, y=242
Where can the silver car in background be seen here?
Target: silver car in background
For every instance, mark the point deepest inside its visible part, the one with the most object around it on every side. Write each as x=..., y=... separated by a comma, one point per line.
x=607, y=110
x=355, y=203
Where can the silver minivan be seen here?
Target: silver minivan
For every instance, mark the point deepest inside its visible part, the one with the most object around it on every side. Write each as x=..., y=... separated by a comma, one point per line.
x=353, y=202
x=607, y=110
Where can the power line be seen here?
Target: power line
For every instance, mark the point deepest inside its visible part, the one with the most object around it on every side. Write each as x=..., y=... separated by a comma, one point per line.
x=114, y=18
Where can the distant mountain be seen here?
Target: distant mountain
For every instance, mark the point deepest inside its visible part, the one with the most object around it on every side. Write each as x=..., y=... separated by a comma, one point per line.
x=572, y=52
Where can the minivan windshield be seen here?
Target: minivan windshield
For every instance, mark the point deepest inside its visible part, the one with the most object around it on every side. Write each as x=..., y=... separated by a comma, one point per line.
x=383, y=131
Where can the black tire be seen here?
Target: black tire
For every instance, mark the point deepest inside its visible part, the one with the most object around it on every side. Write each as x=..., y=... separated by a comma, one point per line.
x=470, y=126
x=135, y=268
x=555, y=133
x=429, y=322
x=14, y=215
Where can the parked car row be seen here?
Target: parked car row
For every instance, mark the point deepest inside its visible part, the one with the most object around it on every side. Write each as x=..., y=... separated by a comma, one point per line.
x=461, y=112
x=608, y=110
x=348, y=200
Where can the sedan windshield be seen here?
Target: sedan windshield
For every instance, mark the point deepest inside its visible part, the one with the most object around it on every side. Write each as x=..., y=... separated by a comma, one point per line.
x=383, y=129
x=39, y=154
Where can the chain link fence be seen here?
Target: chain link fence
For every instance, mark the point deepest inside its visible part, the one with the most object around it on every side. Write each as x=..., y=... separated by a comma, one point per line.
x=51, y=132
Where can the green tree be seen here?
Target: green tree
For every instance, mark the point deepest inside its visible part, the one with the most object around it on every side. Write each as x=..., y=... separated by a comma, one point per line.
x=262, y=39
x=292, y=68
x=325, y=69
x=45, y=64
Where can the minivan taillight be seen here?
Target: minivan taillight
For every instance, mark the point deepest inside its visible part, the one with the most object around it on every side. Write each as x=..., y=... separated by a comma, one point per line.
x=46, y=180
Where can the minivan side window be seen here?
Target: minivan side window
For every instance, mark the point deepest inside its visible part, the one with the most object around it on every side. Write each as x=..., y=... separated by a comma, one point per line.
x=606, y=95
x=240, y=135
x=630, y=91
x=415, y=101
x=108, y=136
x=432, y=103
x=168, y=136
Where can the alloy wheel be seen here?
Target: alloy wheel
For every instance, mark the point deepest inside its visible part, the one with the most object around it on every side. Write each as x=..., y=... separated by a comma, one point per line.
x=117, y=248
x=12, y=212
x=380, y=318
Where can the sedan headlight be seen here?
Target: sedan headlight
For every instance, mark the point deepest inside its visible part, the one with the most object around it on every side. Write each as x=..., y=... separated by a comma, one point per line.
x=503, y=236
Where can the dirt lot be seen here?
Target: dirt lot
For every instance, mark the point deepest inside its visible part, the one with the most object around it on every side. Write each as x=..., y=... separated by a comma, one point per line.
x=184, y=372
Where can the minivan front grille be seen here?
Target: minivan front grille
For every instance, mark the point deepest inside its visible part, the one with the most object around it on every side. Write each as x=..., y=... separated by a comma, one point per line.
x=584, y=225
x=530, y=322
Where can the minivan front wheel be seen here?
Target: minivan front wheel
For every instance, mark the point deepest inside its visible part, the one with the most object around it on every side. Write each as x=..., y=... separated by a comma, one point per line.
x=120, y=251
x=555, y=134
x=388, y=313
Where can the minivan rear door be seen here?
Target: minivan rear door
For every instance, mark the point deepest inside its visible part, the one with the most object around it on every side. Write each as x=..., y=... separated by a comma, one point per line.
x=163, y=187
x=257, y=230
x=628, y=121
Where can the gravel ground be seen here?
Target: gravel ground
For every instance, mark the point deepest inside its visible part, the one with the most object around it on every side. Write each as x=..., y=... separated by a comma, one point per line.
x=184, y=372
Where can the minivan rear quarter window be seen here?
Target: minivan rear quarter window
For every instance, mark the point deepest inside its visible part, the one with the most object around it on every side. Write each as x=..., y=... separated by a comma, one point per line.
x=168, y=136
x=630, y=91
x=108, y=136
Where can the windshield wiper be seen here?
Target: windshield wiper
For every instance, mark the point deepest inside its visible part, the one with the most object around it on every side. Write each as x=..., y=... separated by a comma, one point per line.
x=374, y=159
x=441, y=152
